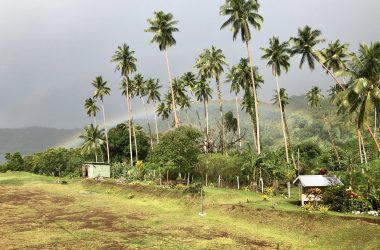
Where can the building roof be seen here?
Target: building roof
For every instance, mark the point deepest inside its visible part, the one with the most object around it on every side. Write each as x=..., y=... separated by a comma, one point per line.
x=317, y=181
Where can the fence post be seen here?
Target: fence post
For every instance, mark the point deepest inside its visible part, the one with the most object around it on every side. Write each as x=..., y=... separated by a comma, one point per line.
x=238, y=183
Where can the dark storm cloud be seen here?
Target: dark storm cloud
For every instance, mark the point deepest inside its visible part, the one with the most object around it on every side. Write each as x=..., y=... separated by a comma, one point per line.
x=50, y=50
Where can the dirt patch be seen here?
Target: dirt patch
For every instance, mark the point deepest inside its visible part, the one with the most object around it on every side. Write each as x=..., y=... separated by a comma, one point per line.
x=211, y=235
x=20, y=196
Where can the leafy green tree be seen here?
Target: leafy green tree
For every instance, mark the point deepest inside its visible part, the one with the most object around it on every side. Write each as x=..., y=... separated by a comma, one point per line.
x=102, y=90
x=278, y=57
x=119, y=143
x=241, y=14
x=163, y=27
x=93, y=140
x=180, y=147
x=126, y=63
x=14, y=162
x=315, y=97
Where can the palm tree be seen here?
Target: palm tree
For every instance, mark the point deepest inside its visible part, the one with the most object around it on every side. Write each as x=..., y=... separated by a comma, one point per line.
x=203, y=92
x=314, y=98
x=231, y=125
x=154, y=96
x=126, y=63
x=164, y=110
x=333, y=59
x=242, y=14
x=277, y=56
x=232, y=77
x=93, y=140
x=140, y=87
x=363, y=96
x=210, y=65
x=190, y=81
x=243, y=78
x=102, y=90
x=284, y=98
x=163, y=27
x=91, y=108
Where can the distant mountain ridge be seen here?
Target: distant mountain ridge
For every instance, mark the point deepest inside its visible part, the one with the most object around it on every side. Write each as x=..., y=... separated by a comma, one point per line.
x=31, y=139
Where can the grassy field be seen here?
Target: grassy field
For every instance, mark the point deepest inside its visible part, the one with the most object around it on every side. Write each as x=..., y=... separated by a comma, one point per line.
x=37, y=213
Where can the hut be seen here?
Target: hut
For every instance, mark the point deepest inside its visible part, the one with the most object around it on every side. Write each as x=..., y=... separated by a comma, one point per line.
x=94, y=170
x=312, y=186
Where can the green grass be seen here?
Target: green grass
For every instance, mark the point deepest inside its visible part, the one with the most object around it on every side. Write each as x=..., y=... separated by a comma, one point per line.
x=38, y=213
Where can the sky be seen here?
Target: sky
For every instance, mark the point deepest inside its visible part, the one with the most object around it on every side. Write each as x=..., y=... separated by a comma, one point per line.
x=51, y=50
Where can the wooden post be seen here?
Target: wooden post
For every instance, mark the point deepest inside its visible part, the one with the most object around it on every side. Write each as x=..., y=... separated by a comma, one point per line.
x=167, y=176
x=288, y=189
x=238, y=183
x=219, y=182
x=206, y=179
x=188, y=179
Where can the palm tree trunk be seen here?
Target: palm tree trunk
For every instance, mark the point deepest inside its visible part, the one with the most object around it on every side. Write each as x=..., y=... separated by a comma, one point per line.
x=155, y=121
x=238, y=120
x=282, y=118
x=333, y=143
x=199, y=119
x=359, y=142
x=174, y=106
x=286, y=126
x=95, y=123
x=255, y=100
x=147, y=120
x=374, y=139
x=188, y=118
x=135, y=139
x=364, y=152
x=206, y=121
x=221, y=114
x=105, y=132
x=129, y=121
x=331, y=74
x=96, y=154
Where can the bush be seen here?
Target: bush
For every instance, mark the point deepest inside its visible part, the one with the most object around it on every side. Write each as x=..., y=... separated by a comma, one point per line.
x=336, y=198
x=194, y=189
x=360, y=204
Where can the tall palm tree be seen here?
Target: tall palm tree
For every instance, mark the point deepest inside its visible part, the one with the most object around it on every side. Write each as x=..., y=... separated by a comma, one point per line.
x=126, y=63
x=154, y=96
x=284, y=98
x=190, y=81
x=203, y=92
x=210, y=65
x=140, y=87
x=164, y=109
x=333, y=59
x=278, y=57
x=314, y=98
x=363, y=95
x=163, y=27
x=93, y=140
x=243, y=77
x=101, y=90
x=91, y=108
x=242, y=14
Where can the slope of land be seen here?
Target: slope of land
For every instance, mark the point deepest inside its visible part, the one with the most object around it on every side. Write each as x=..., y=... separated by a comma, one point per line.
x=37, y=213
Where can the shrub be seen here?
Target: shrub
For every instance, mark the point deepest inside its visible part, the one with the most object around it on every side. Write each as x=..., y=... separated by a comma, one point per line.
x=336, y=198
x=193, y=189
x=323, y=208
x=360, y=204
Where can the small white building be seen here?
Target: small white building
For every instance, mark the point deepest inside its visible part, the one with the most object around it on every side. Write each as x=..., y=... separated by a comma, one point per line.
x=306, y=182
x=94, y=170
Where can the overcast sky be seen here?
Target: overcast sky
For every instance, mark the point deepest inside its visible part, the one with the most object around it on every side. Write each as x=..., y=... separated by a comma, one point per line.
x=51, y=50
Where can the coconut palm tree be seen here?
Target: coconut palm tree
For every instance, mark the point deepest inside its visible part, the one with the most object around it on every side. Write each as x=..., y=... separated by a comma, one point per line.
x=163, y=27
x=152, y=89
x=210, y=65
x=93, y=140
x=190, y=81
x=232, y=77
x=278, y=57
x=91, y=108
x=126, y=63
x=242, y=14
x=203, y=93
x=140, y=87
x=164, y=109
x=101, y=90
x=314, y=98
x=363, y=95
x=284, y=98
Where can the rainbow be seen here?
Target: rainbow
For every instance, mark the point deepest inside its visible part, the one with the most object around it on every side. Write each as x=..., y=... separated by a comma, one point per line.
x=75, y=141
